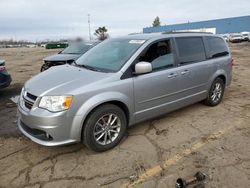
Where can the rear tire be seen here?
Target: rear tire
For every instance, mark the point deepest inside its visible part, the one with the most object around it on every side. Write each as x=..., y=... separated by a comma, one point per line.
x=104, y=128
x=215, y=93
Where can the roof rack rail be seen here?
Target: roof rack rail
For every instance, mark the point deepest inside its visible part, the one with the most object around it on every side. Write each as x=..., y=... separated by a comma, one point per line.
x=179, y=32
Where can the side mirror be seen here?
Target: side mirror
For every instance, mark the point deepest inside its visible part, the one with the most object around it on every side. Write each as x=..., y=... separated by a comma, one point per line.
x=143, y=67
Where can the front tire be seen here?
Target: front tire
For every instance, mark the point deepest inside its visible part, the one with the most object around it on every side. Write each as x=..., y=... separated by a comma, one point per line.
x=104, y=128
x=216, y=92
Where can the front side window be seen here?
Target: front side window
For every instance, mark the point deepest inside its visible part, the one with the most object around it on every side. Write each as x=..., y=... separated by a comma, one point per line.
x=110, y=55
x=217, y=47
x=191, y=49
x=159, y=55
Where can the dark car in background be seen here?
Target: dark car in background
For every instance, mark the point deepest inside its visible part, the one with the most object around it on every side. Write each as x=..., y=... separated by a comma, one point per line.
x=5, y=78
x=68, y=55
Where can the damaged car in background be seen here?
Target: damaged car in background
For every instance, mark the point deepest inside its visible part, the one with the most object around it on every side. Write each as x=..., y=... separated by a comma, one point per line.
x=68, y=55
x=5, y=78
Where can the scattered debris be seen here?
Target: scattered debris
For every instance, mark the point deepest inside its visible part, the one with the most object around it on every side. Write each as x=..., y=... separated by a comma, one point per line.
x=133, y=178
x=15, y=99
x=13, y=103
x=198, y=178
x=163, y=131
x=10, y=105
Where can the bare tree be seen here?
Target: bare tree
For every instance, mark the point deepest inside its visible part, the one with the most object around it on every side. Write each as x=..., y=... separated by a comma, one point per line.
x=101, y=33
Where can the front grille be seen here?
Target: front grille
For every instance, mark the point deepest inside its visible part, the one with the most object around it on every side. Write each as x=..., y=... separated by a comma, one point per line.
x=28, y=104
x=29, y=100
x=33, y=97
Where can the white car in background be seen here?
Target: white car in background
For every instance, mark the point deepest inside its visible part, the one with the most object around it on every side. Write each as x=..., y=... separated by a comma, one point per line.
x=236, y=37
x=246, y=36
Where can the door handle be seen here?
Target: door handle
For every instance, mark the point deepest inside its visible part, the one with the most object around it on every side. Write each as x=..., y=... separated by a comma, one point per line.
x=172, y=75
x=184, y=72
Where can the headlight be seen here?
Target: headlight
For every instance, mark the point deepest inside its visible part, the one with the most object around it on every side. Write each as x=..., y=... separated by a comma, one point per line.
x=55, y=103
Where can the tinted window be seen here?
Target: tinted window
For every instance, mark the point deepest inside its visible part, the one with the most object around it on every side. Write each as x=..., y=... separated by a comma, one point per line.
x=217, y=47
x=191, y=49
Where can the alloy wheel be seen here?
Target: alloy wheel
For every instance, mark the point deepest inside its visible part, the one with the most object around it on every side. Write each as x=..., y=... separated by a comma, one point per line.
x=216, y=93
x=107, y=129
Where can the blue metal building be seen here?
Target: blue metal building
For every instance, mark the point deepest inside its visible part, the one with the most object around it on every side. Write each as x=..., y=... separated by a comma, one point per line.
x=226, y=25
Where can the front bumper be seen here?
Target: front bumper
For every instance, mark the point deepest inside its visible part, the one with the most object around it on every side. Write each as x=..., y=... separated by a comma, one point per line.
x=46, y=128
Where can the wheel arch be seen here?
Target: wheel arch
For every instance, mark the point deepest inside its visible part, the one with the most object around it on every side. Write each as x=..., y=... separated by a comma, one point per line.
x=95, y=102
x=223, y=77
x=218, y=74
x=118, y=103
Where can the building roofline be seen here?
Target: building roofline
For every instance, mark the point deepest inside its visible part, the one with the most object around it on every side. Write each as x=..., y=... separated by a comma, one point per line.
x=185, y=32
x=201, y=21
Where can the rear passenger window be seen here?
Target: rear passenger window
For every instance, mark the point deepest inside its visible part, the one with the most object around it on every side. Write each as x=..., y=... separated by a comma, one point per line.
x=191, y=49
x=217, y=47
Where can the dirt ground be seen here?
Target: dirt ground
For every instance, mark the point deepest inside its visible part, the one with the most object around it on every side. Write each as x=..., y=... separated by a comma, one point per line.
x=214, y=140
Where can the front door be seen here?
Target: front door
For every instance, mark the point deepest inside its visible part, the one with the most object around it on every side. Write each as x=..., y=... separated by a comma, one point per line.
x=155, y=91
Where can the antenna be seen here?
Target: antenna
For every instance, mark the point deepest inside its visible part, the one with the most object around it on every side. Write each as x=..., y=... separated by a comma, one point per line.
x=89, y=27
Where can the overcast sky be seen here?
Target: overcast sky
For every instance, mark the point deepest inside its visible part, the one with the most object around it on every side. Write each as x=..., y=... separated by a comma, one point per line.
x=55, y=19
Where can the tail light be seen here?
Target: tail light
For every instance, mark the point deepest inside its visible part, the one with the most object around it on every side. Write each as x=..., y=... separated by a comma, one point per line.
x=2, y=68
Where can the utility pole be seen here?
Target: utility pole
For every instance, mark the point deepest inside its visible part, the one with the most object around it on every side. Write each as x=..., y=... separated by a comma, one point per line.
x=89, y=27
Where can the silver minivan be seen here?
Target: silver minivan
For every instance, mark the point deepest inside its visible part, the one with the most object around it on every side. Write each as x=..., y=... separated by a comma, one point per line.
x=121, y=82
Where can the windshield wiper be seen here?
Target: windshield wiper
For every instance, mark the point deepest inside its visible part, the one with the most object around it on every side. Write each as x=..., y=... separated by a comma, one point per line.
x=89, y=67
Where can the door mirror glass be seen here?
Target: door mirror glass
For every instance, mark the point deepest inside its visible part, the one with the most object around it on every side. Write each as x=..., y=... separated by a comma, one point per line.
x=143, y=67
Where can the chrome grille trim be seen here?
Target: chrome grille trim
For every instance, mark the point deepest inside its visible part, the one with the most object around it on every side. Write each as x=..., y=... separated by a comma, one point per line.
x=28, y=100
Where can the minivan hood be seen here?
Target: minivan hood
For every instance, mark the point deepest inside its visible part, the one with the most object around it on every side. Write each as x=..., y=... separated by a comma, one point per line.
x=62, y=57
x=62, y=80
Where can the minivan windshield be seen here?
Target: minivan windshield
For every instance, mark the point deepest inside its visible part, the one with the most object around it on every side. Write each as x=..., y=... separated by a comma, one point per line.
x=77, y=48
x=110, y=55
